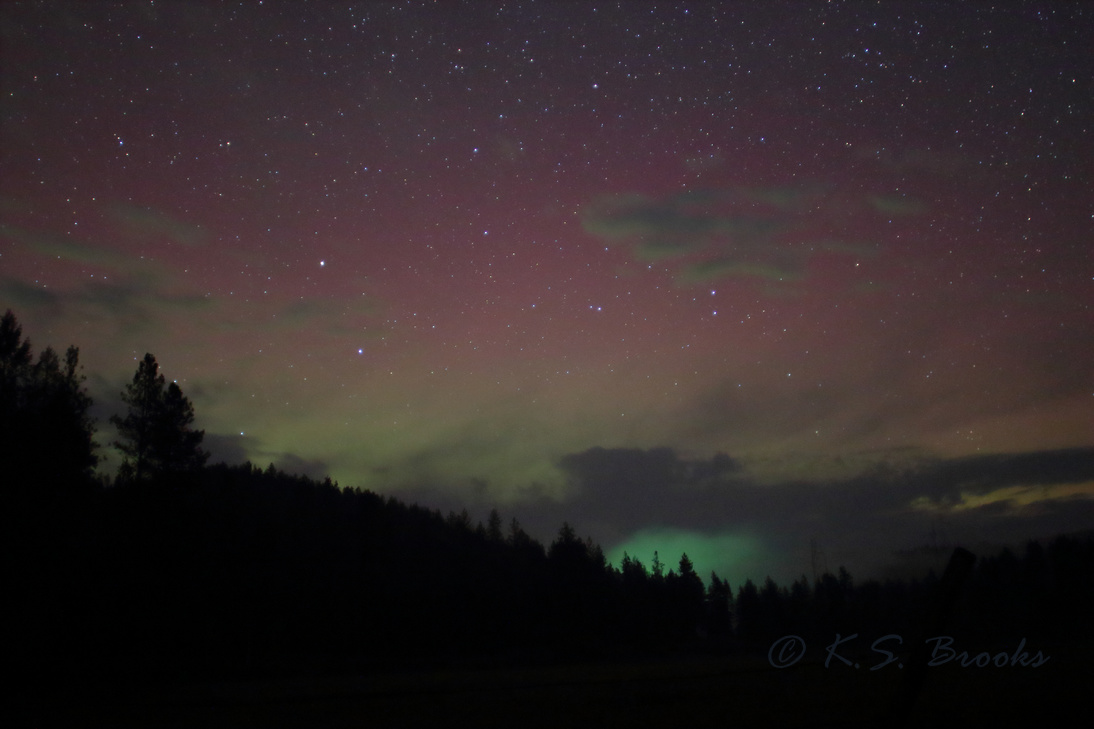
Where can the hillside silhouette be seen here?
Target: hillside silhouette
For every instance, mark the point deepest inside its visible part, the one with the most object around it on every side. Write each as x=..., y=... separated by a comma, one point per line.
x=174, y=570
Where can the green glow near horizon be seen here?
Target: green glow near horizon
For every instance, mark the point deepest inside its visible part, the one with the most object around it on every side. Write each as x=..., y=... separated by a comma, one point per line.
x=732, y=556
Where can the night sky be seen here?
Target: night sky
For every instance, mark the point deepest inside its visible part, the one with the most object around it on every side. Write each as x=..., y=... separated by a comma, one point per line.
x=736, y=279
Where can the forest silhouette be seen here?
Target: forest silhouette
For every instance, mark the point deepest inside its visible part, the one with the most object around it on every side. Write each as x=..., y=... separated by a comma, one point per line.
x=175, y=570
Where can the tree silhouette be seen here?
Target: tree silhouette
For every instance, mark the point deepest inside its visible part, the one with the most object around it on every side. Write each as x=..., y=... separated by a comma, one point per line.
x=719, y=600
x=657, y=570
x=45, y=430
x=748, y=602
x=687, y=595
x=493, y=527
x=14, y=355
x=567, y=551
x=156, y=433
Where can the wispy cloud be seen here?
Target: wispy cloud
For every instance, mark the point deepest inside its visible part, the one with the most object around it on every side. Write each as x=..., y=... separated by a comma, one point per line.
x=767, y=233
x=62, y=247
x=152, y=225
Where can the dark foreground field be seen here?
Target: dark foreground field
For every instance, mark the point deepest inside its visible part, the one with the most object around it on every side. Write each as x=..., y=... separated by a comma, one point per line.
x=694, y=692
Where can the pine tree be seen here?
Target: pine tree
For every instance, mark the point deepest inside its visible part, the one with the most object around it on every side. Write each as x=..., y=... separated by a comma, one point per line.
x=657, y=570
x=156, y=433
x=690, y=583
x=62, y=405
x=45, y=429
x=493, y=527
x=748, y=618
x=180, y=443
x=719, y=599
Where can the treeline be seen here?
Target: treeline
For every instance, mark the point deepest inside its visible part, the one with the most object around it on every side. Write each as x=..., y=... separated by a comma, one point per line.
x=1045, y=593
x=178, y=570
x=236, y=571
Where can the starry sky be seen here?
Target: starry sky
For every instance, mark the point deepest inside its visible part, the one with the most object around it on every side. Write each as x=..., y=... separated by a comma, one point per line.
x=769, y=283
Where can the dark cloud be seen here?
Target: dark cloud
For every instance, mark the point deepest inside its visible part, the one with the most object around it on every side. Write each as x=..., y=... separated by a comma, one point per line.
x=138, y=294
x=863, y=519
x=63, y=248
x=234, y=448
x=945, y=479
x=676, y=226
x=148, y=223
x=748, y=526
x=633, y=488
x=20, y=295
x=310, y=467
x=610, y=471
x=135, y=300
x=765, y=233
x=225, y=447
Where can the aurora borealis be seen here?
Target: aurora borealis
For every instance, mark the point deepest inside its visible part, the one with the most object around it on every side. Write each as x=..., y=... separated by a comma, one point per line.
x=737, y=276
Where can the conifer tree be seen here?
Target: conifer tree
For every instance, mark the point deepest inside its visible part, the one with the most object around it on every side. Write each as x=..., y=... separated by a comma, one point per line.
x=493, y=527
x=156, y=433
x=45, y=429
